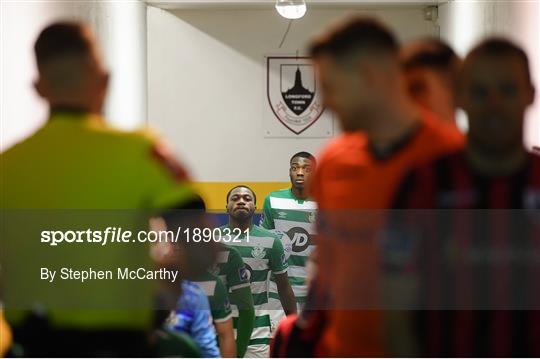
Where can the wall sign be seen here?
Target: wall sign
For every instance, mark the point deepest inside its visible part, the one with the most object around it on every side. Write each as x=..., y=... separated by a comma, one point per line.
x=293, y=106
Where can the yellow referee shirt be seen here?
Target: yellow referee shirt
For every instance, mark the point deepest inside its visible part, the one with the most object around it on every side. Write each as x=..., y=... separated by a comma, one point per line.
x=76, y=173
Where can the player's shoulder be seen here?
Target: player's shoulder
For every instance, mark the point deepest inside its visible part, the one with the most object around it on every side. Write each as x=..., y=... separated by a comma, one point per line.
x=280, y=193
x=344, y=144
x=260, y=232
x=438, y=133
x=231, y=252
x=346, y=151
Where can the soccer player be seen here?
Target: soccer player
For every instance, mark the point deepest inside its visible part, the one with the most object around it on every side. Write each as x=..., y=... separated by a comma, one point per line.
x=358, y=66
x=77, y=162
x=431, y=70
x=291, y=213
x=498, y=250
x=231, y=273
x=263, y=256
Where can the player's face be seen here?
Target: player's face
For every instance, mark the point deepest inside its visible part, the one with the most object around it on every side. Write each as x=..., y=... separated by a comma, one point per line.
x=495, y=94
x=300, y=172
x=428, y=89
x=343, y=90
x=241, y=203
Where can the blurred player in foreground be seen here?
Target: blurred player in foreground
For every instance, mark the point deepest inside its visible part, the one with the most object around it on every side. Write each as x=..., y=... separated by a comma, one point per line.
x=492, y=288
x=358, y=66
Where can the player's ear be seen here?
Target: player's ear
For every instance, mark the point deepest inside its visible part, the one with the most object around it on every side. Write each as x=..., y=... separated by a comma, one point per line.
x=39, y=87
x=531, y=94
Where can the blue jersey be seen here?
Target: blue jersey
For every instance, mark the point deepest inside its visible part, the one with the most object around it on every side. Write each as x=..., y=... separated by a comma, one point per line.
x=193, y=317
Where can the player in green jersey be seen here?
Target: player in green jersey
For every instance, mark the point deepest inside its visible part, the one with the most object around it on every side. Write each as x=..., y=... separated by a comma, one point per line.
x=233, y=273
x=263, y=256
x=291, y=213
x=220, y=308
x=235, y=277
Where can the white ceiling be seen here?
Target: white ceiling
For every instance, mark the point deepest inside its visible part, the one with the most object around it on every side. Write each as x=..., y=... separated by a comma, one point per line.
x=238, y=4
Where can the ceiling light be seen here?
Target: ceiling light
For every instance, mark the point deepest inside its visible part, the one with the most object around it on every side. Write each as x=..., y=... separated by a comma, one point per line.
x=291, y=9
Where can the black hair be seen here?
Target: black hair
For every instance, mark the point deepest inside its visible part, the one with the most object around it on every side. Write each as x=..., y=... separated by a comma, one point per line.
x=355, y=35
x=497, y=47
x=432, y=53
x=303, y=154
x=61, y=39
x=241, y=186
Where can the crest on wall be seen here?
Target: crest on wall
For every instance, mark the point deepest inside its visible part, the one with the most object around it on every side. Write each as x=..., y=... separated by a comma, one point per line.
x=292, y=92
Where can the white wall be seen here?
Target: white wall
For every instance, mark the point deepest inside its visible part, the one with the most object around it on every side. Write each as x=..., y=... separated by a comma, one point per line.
x=465, y=23
x=206, y=79
x=120, y=28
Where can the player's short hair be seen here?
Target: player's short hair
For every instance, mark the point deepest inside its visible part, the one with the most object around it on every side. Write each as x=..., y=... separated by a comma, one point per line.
x=241, y=186
x=356, y=35
x=303, y=154
x=499, y=47
x=431, y=53
x=61, y=39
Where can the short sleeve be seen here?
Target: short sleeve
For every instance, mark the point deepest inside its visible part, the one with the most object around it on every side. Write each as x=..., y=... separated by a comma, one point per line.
x=236, y=272
x=278, y=260
x=266, y=220
x=220, y=304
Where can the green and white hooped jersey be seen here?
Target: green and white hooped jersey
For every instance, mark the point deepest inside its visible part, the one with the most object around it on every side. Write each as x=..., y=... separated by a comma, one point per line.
x=294, y=220
x=217, y=295
x=263, y=255
x=231, y=269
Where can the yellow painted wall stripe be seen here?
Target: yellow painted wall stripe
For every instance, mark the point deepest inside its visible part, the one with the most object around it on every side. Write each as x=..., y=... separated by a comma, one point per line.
x=214, y=193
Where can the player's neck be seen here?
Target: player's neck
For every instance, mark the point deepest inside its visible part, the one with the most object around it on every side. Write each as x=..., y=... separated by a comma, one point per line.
x=242, y=225
x=488, y=163
x=299, y=193
x=393, y=124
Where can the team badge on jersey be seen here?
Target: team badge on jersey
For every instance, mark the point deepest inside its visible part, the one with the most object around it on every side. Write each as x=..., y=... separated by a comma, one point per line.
x=292, y=92
x=244, y=274
x=258, y=252
x=312, y=217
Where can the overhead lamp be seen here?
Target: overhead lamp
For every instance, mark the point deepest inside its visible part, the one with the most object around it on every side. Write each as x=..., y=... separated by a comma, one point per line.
x=291, y=9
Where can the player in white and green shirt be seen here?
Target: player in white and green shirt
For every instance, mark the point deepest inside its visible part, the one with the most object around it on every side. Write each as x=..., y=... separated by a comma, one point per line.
x=236, y=278
x=263, y=256
x=291, y=213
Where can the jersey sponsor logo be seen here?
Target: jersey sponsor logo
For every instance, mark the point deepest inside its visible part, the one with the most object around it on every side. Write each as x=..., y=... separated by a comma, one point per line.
x=292, y=92
x=282, y=214
x=258, y=252
x=244, y=274
x=283, y=259
x=300, y=239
